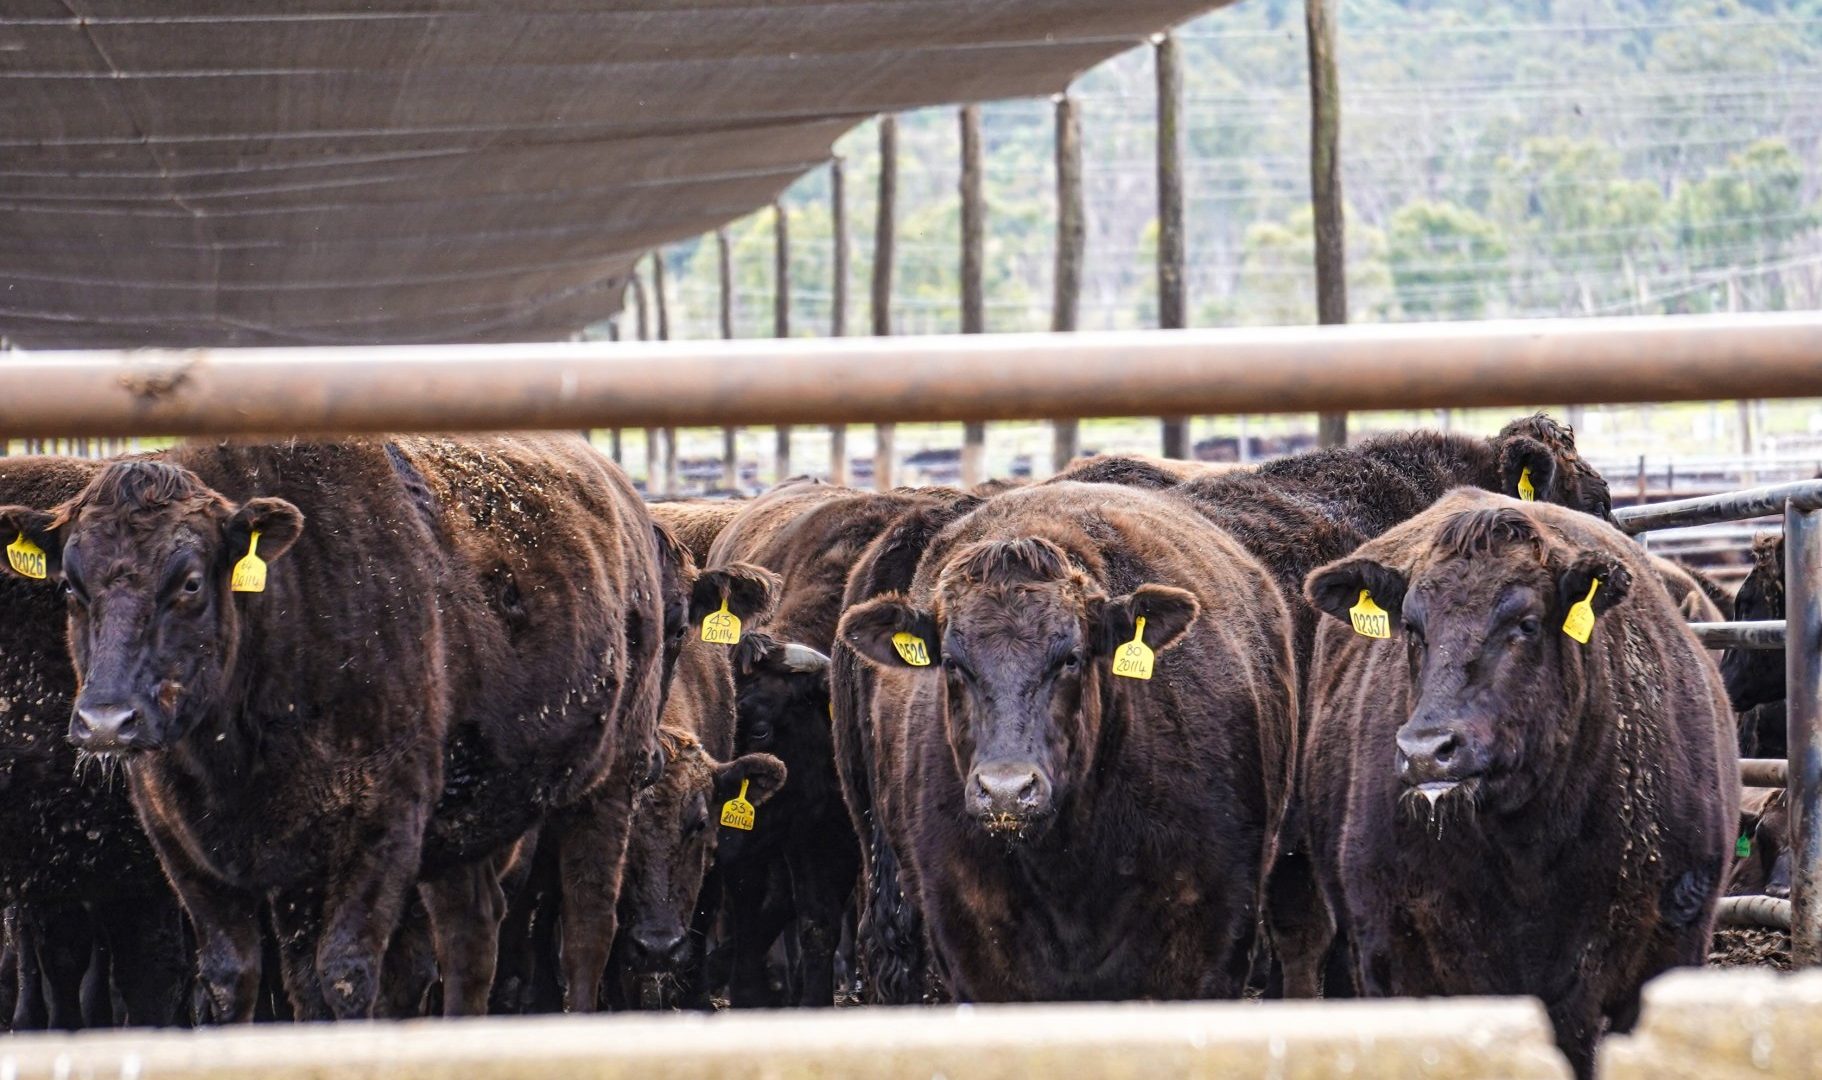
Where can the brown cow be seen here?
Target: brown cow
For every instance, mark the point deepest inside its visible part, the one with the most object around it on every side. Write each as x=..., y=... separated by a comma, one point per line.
x=1496, y=805
x=361, y=720
x=1067, y=832
x=696, y=523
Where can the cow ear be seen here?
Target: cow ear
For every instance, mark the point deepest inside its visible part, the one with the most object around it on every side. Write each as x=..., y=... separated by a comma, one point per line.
x=277, y=522
x=763, y=773
x=37, y=529
x=1573, y=584
x=749, y=591
x=892, y=633
x=1527, y=469
x=1167, y=613
x=1336, y=588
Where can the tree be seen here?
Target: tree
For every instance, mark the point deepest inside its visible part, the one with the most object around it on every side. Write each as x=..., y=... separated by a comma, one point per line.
x=1444, y=260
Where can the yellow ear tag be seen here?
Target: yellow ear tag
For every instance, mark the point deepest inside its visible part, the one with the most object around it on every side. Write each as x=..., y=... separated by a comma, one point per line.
x=737, y=813
x=1580, y=623
x=1134, y=659
x=1526, y=489
x=27, y=558
x=250, y=571
x=1370, y=620
x=721, y=627
x=911, y=649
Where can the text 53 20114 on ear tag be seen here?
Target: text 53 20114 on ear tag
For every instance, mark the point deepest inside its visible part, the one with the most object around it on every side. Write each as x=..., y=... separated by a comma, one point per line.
x=737, y=813
x=911, y=649
x=26, y=558
x=250, y=571
x=721, y=627
x=1134, y=660
x=1370, y=620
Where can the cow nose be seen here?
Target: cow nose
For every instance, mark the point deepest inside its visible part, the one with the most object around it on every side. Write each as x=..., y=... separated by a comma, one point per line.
x=105, y=727
x=1432, y=755
x=1017, y=789
x=657, y=946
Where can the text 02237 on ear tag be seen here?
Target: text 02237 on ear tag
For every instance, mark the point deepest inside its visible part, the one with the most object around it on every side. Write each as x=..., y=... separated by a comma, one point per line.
x=250, y=571
x=1134, y=659
x=721, y=627
x=1370, y=620
x=1526, y=489
x=911, y=649
x=1580, y=622
x=26, y=558
x=737, y=813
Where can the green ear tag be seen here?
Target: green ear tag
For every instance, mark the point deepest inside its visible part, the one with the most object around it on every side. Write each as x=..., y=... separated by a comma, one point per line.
x=1580, y=623
x=721, y=627
x=26, y=558
x=250, y=571
x=1743, y=847
x=1134, y=660
x=1370, y=620
x=1526, y=489
x=738, y=813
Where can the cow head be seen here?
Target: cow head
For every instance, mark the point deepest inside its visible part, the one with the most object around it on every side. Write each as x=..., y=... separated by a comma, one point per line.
x=1022, y=641
x=781, y=691
x=1756, y=676
x=1539, y=452
x=675, y=826
x=1495, y=681
x=145, y=555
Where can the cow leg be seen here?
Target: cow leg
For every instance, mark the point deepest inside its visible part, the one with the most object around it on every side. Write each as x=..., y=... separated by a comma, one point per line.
x=591, y=854
x=97, y=991
x=822, y=885
x=410, y=967
x=228, y=937
x=65, y=941
x=363, y=901
x=466, y=906
x=150, y=959
x=297, y=924
x=757, y=913
x=29, y=1013
x=1298, y=922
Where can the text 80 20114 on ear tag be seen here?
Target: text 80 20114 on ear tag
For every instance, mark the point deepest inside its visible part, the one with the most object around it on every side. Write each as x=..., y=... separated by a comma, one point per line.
x=911, y=649
x=1370, y=620
x=250, y=571
x=721, y=627
x=26, y=558
x=1134, y=659
x=737, y=813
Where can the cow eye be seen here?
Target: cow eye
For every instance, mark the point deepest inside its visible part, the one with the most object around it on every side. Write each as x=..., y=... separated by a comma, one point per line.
x=761, y=730
x=1530, y=625
x=697, y=821
x=193, y=584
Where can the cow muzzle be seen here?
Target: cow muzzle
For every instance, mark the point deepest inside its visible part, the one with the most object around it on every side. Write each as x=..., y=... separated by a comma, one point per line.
x=108, y=727
x=1008, y=796
x=1434, y=758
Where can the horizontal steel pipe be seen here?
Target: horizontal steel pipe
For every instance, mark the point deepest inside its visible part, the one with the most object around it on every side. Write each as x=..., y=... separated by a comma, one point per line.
x=973, y=377
x=1754, y=911
x=1727, y=506
x=1768, y=634
x=1764, y=772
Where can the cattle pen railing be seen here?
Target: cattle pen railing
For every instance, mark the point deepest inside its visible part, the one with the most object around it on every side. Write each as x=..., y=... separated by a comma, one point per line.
x=1799, y=634
x=354, y=389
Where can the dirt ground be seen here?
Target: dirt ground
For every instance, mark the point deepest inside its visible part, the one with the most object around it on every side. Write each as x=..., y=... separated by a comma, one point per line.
x=1737, y=947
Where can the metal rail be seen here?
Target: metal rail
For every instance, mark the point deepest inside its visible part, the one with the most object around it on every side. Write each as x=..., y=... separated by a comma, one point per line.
x=1764, y=772
x=1714, y=509
x=1766, y=635
x=1765, y=911
x=857, y=380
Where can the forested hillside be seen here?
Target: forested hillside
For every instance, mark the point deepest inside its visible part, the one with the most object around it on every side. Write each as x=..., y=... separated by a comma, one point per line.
x=1501, y=157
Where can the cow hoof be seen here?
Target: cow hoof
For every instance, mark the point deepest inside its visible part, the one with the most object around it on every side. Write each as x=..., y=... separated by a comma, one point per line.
x=350, y=987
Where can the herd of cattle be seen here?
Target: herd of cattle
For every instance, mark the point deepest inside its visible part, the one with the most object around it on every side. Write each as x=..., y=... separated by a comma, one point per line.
x=381, y=727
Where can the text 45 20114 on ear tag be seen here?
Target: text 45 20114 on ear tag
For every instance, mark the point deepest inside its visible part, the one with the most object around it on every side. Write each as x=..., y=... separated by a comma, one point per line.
x=1134, y=659
x=26, y=558
x=1580, y=623
x=911, y=649
x=737, y=813
x=250, y=571
x=721, y=627
x=1526, y=489
x=1370, y=620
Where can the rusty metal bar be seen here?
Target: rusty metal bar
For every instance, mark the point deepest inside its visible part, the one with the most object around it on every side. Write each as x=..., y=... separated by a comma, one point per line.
x=1766, y=635
x=1764, y=772
x=1803, y=704
x=1728, y=506
x=1751, y=911
x=564, y=385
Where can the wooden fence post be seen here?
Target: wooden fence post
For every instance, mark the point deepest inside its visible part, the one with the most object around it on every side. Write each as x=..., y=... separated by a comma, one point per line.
x=1325, y=188
x=781, y=318
x=1072, y=236
x=668, y=444
x=974, y=304
x=730, y=437
x=1172, y=299
x=838, y=306
x=883, y=241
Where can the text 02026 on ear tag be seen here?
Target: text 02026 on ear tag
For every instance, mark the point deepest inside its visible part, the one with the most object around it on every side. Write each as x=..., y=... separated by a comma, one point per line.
x=1134, y=659
x=1370, y=620
x=26, y=558
x=250, y=571
x=721, y=627
x=737, y=813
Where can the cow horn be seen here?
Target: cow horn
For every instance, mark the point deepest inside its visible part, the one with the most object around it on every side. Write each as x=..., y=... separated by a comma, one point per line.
x=804, y=660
